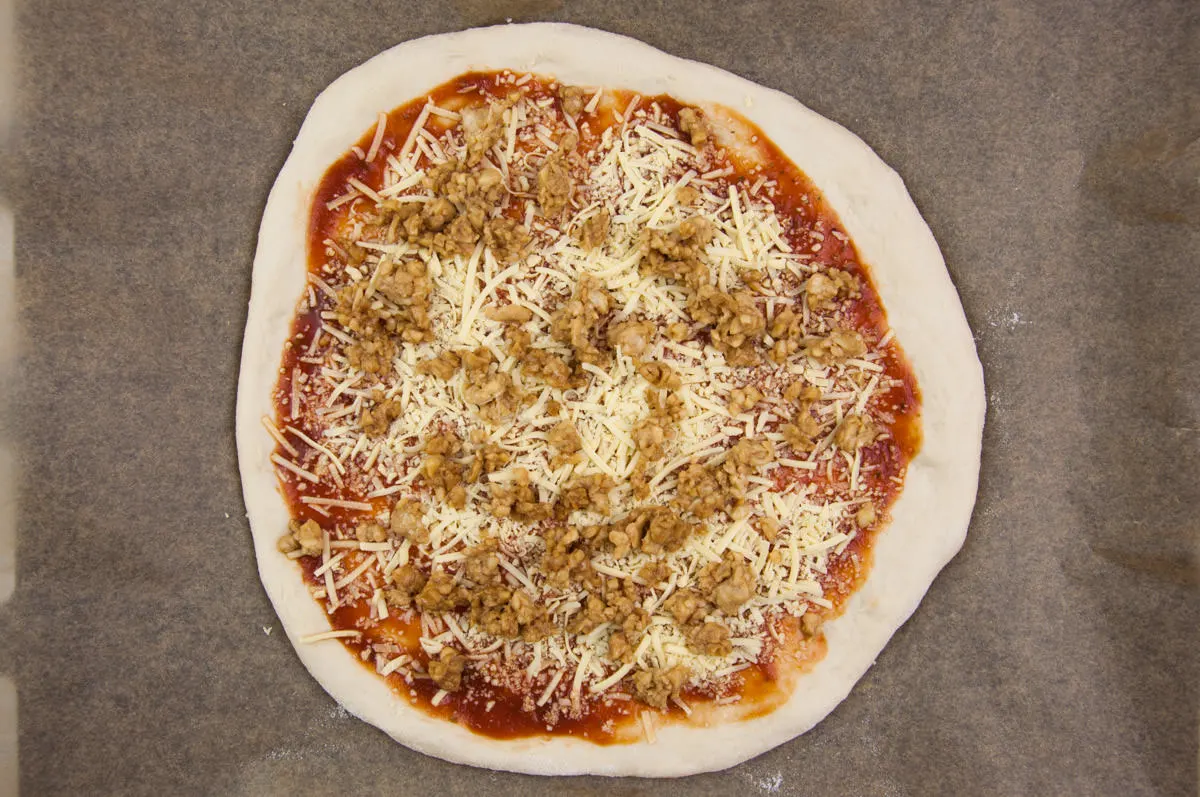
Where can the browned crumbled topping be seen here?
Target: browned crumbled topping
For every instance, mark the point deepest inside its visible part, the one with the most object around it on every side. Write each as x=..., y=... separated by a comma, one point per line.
x=565, y=438
x=491, y=593
x=376, y=420
x=768, y=527
x=374, y=323
x=823, y=290
x=619, y=648
x=406, y=521
x=436, y=225
x=407, y=285
x=728, y=583
x=664, y=406
x=505, y=237
x=687, y=606
x=865, y=516
x=837, y=347
x=532, y=618
x=755, y=280
x=590, y=617
x=473, y=189
x=407, y=581
x=742, y=399
x=495, y=394
x=306, y=537
x=739, y=324
x=655, y=686
x=810, y=623
x=576, y=321
x=855, y=432
x=510, y=614
x=786, y=331
x=654, y=572
x=650, y=437
x=653, y=530
x=704, y=491
x=438, y=213
x=484, y=127
x=619, y=604
x=651, y=434
x=465, y=198
x=572, y=99
x=441, y=594
x=802, y=392
x=709, y=639
x=447, y=669
x=692, y=124
x=661, y=530
x=460, y=238
x=554, y=178
x=477, y=362
x=660, y=375
x=548, y=368
x=521, y=611
x=518, y=499
x=353, y=254
x=443, y=366
x=370, y=532
x=372, y=353
x=747, y=456
x=678, y=331
x=516, y=342
x=481, y=564
x=804, y=430
x=440, y=472
x=679, y=254
x=489, y=458
x=686, y=194
x=568, y=554
x=594, y=230
x=587, y=493
x=802, y=433
x=508, y=313
x=639, y=479
x=391, y=214
x=700, y=492
x=408, y=578
x=633, y=337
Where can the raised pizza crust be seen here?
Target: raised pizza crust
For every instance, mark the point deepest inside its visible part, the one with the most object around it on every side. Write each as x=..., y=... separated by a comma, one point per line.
x=929, y=520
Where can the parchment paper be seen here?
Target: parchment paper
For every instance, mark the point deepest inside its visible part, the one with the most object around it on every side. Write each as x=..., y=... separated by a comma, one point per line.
x=1054, y=149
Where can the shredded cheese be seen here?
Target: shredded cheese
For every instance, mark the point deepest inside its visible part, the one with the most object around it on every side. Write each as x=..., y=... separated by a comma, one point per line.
x=645, y=177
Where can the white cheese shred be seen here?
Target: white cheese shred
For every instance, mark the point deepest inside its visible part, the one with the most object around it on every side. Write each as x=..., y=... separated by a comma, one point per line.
x=380, y=129
x=327, y=635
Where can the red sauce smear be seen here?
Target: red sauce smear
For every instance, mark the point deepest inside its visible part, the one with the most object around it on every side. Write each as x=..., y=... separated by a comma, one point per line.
x=496, y=711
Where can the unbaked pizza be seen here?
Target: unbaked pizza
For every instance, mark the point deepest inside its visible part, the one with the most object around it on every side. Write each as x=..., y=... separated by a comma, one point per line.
x=574, y=414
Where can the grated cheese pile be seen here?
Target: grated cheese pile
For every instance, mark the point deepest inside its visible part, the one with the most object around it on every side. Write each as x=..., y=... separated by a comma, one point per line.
x=631, y=161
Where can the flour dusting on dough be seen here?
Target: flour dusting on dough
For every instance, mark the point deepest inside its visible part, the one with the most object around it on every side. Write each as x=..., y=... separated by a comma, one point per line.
x=768, y=784
x=1006, y=319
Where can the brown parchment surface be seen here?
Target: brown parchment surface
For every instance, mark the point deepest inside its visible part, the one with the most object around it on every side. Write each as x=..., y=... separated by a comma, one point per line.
x=1053, y=147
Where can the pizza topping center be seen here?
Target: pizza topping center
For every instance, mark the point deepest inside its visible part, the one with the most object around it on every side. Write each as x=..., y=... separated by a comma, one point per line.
x=581, y=416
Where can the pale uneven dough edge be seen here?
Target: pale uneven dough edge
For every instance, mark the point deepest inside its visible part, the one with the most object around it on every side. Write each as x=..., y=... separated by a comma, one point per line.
x=929, y=521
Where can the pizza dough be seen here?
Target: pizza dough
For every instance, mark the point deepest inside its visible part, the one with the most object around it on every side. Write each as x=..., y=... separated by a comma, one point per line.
x=929, y=520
